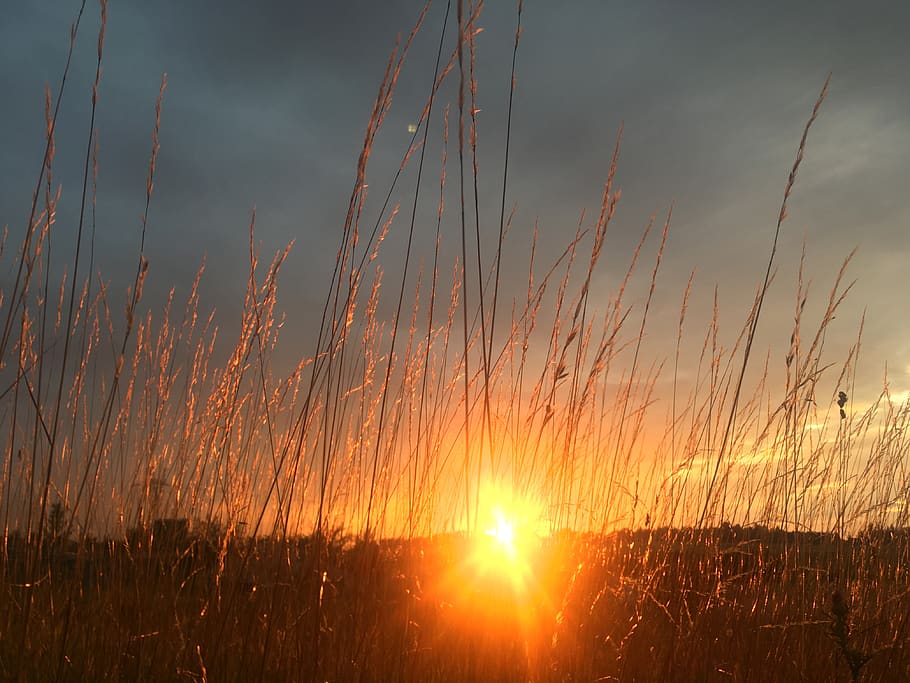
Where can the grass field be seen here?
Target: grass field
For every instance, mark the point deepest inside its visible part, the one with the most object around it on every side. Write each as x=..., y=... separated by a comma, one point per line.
x=461, y=479
x=723, y=604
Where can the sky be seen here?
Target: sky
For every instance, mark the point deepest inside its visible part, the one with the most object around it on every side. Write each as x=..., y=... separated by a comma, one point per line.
x=267, y=103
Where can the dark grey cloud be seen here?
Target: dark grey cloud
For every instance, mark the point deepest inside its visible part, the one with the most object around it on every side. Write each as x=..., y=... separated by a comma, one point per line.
x=267, y=103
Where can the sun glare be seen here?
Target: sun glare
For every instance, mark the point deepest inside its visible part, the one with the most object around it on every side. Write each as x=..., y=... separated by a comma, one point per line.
x=503, y=533
x=507, y=538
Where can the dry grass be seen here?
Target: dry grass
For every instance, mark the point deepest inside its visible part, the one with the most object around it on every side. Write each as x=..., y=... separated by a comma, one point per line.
x=172, y=514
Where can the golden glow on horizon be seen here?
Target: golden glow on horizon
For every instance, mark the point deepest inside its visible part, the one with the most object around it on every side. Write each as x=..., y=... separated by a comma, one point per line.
x=503, y=533
x=502, y=551
x=498, y=570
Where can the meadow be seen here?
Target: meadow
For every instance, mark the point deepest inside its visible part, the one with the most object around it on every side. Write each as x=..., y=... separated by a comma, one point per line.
x=464, y=478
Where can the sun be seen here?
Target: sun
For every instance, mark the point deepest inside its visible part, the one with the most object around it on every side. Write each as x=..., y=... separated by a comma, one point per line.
x=503, y=532
x=503, y=551
x=499, y=576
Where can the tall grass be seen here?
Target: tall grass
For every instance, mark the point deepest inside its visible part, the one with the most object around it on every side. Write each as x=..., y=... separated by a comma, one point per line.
x=170, y=513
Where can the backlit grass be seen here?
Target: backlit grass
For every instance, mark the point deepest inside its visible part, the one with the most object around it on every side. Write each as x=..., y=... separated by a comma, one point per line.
x=460, y=478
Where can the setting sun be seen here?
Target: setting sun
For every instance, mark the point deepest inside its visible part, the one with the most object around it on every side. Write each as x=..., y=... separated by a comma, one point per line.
x=503, y=533
x=507, y=537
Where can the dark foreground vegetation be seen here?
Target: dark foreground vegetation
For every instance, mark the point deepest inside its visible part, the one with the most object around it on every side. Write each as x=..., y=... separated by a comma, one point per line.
x=732, y=603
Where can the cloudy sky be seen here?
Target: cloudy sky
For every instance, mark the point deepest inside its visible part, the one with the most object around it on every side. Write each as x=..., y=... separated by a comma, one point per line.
x=267, y=103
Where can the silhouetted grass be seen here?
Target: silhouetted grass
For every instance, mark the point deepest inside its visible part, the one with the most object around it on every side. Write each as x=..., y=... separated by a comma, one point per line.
x=172, y=513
